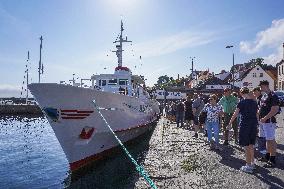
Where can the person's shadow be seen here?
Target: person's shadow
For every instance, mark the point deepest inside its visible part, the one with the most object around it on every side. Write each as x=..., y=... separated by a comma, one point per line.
x=264, y=175
x=229, y=160
x=261, y=173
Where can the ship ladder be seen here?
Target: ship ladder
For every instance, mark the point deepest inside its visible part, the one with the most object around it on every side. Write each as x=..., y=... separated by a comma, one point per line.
x=139, y=168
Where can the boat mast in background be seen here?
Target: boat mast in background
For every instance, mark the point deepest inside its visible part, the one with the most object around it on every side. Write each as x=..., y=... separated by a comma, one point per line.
x=27, y=77
x=40, y=65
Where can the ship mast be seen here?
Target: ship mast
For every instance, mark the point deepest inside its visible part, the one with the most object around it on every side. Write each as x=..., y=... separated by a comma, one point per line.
x=27, y=77
x=119, y=46
x=40, y=65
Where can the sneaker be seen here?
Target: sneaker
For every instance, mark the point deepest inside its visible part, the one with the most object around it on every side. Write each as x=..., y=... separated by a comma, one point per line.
x=270, y=164
x=218, y=148
x=211, y=146
x=263, y=159
x=262, y=152
x=253, y=166
x=226, y=143
x=247, y=169
x=205, y=134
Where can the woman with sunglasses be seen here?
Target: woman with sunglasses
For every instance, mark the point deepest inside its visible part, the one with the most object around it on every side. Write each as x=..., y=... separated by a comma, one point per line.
x=214, y=111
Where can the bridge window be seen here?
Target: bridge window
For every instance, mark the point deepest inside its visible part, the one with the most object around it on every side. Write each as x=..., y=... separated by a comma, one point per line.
x=102, y=82
x=123, y=81
x=112, y=82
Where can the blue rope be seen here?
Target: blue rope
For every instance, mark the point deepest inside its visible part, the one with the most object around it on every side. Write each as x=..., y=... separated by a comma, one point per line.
x=139, y=168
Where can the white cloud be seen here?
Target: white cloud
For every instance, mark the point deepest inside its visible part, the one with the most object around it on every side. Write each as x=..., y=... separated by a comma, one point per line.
x=105, y=61
x=274, y=57
x=158, y=47
x=270, y=38
x=7, y=90
x=172, y=43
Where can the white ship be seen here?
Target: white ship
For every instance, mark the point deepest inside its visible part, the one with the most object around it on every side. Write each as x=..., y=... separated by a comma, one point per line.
x=82, y=133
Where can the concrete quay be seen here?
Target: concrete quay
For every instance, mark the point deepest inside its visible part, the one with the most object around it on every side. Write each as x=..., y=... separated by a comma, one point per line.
x=178, y=160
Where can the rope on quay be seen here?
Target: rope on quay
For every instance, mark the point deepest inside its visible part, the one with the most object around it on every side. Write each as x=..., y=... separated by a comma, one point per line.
x=139, y=168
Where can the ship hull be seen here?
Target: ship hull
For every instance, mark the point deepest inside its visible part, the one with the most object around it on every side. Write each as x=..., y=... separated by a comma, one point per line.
x=80, y=130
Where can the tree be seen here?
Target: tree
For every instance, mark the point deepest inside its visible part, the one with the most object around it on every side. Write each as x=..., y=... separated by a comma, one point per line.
x=162, y=81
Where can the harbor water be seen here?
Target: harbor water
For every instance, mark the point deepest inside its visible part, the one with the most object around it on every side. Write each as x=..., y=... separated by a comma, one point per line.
x=31, y=157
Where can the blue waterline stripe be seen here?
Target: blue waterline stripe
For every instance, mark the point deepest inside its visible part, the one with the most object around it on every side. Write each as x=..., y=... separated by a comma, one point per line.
x=139, y=168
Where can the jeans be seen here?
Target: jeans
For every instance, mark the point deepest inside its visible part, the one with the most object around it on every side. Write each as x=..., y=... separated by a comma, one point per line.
x=180, y=118
x=215, y=127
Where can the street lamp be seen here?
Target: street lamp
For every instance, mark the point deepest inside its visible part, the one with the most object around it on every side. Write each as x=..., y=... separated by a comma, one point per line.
x=192, y=58
x=233, y=69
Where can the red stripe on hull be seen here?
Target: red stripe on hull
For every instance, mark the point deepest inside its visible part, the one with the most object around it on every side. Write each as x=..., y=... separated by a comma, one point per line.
x=83, y=162
x=73, y=117
x=68, y=110
x=75, y=114
x=78, y=111
x=85, y=111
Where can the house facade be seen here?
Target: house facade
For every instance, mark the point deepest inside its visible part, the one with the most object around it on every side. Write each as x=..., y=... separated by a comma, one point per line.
x=280, y=73
x=280, y=70
x=253, y=76
x=200, y=78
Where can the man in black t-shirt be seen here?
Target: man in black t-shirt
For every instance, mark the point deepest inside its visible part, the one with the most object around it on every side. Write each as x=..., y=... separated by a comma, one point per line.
x=269, y=107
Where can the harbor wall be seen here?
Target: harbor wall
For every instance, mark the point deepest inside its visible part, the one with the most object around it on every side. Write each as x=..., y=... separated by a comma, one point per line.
x=20, y=110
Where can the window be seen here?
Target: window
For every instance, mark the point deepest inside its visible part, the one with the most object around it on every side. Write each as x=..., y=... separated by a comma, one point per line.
x=100, y=82
x=282, y=69
x=104, y=82
x=254, y=75
x=112, y=82
x=279, y=70
x=261, y=75
x=123, y=81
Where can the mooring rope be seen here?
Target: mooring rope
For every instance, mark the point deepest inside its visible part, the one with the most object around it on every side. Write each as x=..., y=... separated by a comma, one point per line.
x=139, y=168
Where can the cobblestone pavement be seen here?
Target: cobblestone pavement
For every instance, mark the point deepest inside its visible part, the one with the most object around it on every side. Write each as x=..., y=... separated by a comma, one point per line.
x=178, y=160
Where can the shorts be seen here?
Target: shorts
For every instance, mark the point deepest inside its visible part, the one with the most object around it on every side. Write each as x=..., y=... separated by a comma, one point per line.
x=195, y=120
x=269, y=130
x=247, y=134
x=261, y=131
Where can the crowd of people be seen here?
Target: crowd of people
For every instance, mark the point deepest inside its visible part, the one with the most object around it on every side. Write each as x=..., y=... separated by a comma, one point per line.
x=247, y=117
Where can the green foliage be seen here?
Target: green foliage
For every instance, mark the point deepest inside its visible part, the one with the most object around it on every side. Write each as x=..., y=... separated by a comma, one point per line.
x=190, y=164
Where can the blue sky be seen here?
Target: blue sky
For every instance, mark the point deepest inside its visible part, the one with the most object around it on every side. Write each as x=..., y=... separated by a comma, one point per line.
x=78, y=36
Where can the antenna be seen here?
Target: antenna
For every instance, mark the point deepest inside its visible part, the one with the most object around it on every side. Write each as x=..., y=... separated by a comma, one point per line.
x=40, y=66
x=119, y=46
